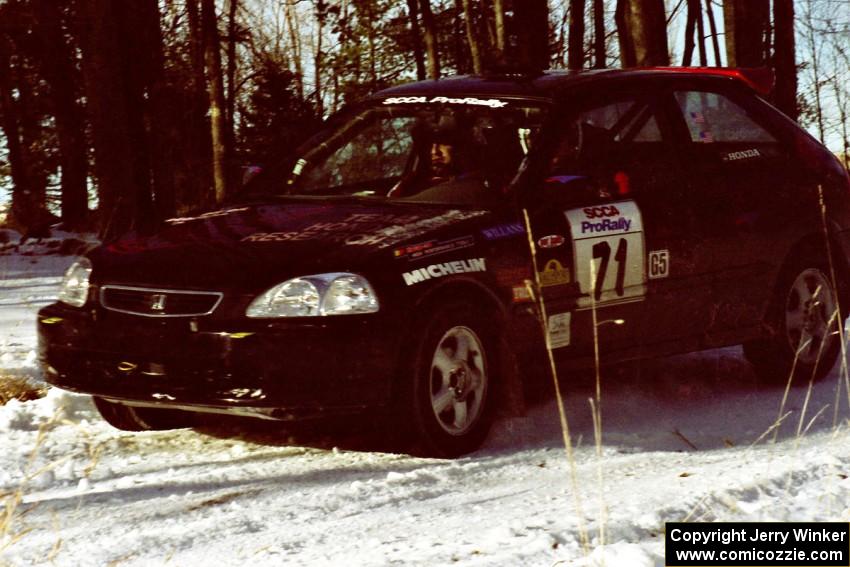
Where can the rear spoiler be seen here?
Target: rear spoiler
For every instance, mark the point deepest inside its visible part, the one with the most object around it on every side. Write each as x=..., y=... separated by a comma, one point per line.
x=760, y=79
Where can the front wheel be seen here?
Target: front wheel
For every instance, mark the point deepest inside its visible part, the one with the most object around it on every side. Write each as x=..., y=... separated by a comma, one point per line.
x=806, y=342
x=129, y=418
x=453, y=372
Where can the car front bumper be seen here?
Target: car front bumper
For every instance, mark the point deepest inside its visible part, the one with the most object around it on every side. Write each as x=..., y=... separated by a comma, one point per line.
x=278, y=370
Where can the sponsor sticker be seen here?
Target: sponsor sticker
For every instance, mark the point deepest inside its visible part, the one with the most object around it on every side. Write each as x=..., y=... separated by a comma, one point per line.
x=366, y=229
x=610, y=257
x=469, y=100
x=551, y=241
x=743, y=154
x=432, y=248
x=521, y=293
x=210, y=215
x=604, y=220
x=510, y=275
x=445, y=269
x=353, y=226
x=559, y=330
x=400, y=231
x=503, y=231
x=606, y=226
x=659, y=264
x=554, y=273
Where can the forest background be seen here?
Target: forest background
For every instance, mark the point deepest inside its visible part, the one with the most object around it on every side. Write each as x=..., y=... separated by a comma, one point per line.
x=117, y=113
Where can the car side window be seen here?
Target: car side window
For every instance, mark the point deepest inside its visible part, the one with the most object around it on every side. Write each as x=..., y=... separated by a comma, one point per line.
x=714, y=118
x=625, y=120
x=616, y=146
x=379, y=151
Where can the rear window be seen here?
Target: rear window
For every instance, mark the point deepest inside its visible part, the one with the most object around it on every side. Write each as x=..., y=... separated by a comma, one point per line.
x=714, y=118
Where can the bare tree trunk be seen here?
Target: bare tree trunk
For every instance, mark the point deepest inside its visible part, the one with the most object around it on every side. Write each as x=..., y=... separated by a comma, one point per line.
x=472, y=38
x=785, y=67
x=61, y=75
x=499, y=12
x=218, y=126
x=109, y=47
x=163, y=136
x=230, y=165
x=690, y=28
x=715, y=41
x=319, y=56
x=295, y=45
x=600, y=53
x=703, y=59
x=746, y=23
x=343, y=37
x=366, y=17
x=563, y=40
x=461, y=48
x=24, y=211
x=197, y=174
x=196, y=37
x=416, y=38
x=841, y=104
x=811, y=38
x=842, y=97
x=532, y=25
x=575, y=51
x=642, y=31
x=230, y=95
x=430, y=33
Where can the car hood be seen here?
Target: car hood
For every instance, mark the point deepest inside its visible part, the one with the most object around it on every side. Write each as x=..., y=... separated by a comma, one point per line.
x=256, y=245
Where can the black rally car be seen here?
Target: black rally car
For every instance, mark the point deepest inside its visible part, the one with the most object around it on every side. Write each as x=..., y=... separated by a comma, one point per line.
x=389, y=268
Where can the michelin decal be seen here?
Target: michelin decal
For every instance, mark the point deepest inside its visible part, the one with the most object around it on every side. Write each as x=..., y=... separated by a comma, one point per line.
x=444, y=269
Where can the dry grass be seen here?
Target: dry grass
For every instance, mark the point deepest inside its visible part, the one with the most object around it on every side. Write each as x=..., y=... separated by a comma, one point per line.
x=13, y=524
x=535, y=290
x=19, y=388
x=12, y=527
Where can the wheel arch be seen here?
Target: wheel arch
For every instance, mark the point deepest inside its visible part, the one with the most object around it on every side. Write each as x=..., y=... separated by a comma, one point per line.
x=770, y=354
x=815, y=244
x=509, y=399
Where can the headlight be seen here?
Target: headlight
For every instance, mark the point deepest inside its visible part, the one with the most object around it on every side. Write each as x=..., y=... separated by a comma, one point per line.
x=75, y=285
x=321, y=294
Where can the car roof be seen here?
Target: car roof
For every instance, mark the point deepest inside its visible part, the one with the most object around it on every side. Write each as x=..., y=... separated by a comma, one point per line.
x=550, y=84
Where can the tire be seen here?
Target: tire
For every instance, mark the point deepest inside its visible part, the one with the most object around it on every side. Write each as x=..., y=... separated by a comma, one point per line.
x=129, y=418
x=804, y=318
x=453, y=370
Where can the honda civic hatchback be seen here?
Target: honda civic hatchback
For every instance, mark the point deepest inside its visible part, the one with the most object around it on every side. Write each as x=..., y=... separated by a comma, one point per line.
x=433, y=241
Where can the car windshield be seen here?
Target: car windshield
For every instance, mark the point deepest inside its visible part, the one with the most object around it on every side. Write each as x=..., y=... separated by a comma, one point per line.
x=436, y=149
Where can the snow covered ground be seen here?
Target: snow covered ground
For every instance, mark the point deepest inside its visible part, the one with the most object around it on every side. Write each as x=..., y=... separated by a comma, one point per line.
x=691, y=437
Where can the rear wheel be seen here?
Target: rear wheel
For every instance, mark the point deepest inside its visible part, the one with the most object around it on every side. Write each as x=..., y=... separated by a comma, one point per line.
x=129, y=418
x=805, y=317
x=453, y=372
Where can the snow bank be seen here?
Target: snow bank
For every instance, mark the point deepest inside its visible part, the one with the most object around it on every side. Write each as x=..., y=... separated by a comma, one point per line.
x=620, y=554
x=27, y=283
x=56, y=406
x=52, y=241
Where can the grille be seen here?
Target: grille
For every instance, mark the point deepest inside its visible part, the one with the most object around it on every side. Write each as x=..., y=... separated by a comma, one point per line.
x=150, y=302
